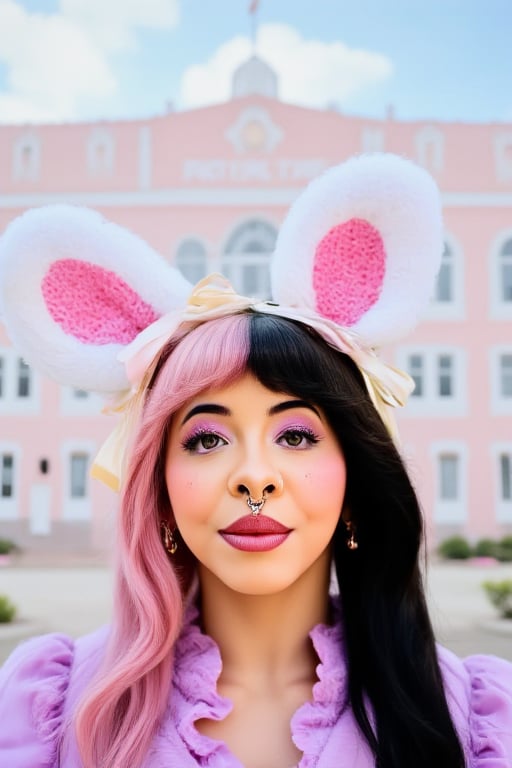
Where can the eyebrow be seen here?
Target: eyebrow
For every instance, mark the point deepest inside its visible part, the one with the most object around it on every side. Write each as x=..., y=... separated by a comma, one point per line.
x=289, y=404
x=221, y=410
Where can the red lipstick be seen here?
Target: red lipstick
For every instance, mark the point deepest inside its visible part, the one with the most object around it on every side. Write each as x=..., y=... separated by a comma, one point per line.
x=255, y=533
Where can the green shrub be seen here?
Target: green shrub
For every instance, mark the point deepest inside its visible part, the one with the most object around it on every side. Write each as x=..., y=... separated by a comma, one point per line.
x=7, y=546
x=485, y=548
x=500, y=595
x=7, y=610
x=504, y=549
x=455, y=548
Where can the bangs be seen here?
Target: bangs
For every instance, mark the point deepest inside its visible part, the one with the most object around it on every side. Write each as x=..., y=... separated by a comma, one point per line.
x=287, y=356
x=211, y=355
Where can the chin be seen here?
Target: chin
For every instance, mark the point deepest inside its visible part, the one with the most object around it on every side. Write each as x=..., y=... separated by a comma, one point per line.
x=259, y=587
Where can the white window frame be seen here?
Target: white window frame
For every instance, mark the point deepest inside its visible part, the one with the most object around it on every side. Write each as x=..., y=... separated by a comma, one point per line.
x=20, y=172
x=233, y=260
x=145, y=157
x=447, y=511
x=76, y=508
x=76, y=406
x=10, y=402
x=499, y=309
x=100, y=138
x=499, y=405
x=454, y=309
x=503, y=507
x=194, y=260
x=9, y=508
x=430, y=403
x=502, y=161
x=429, y=143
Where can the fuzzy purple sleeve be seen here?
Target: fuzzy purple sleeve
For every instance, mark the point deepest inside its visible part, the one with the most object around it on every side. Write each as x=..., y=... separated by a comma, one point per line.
x=490, y=723
x=33, y=686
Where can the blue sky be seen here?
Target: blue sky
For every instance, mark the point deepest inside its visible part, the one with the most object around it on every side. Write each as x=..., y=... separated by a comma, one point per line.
x=66, y=60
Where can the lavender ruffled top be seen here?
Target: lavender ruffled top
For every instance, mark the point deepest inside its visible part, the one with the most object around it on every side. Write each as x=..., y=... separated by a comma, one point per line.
x=44, y=678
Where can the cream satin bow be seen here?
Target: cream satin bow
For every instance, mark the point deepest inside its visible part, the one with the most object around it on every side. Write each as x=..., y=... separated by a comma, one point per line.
x=214, y=297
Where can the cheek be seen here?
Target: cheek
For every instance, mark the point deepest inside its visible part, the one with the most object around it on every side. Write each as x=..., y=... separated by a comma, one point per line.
x=183, y=489
x=326, y=484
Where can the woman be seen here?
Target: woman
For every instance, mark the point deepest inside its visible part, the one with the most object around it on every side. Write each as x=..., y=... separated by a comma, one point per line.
x=261, y=457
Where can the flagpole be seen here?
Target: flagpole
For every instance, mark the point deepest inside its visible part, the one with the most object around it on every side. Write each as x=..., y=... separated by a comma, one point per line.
x=253, y=12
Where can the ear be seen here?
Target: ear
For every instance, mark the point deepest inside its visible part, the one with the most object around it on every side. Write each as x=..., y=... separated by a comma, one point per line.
x=362, y=246
x=75, y=289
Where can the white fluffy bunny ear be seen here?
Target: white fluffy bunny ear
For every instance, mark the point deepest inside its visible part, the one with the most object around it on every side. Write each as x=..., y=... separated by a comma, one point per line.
x=362, y=246
x=75, y=289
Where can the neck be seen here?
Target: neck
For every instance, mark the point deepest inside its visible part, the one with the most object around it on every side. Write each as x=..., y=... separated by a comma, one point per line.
x=265, y=638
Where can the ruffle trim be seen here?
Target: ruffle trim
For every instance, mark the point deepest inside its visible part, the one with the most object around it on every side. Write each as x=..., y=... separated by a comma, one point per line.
x=313, y=722
x=197, y=669
x=490, y=720
x=36, y=679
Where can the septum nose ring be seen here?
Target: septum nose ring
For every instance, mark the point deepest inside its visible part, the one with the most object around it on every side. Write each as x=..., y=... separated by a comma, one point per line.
x=256, y=506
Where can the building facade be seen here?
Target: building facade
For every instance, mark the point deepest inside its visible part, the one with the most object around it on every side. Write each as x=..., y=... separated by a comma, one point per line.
x=208, y=189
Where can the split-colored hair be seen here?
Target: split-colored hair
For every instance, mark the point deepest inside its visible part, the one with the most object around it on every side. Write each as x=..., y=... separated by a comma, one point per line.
x=386, y=623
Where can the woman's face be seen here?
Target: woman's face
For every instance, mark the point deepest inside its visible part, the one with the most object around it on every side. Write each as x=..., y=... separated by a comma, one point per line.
x=245, y=439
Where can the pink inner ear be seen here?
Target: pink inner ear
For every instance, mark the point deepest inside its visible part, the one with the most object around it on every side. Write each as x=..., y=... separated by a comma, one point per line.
x=348, y=272
x=93, y=304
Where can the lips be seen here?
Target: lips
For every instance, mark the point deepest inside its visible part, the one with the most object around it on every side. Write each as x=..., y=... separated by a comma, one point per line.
x=255, y=533
x=255, y=525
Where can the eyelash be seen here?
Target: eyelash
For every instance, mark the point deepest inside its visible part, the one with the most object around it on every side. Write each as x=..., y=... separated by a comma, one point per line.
x=304, y=432
x=193, y=441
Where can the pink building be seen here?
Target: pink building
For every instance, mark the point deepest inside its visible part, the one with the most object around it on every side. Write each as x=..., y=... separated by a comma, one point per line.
x=208, y=189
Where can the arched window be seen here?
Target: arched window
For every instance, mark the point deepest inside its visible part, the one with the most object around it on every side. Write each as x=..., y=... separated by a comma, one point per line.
x=246, y=258
x=191, y=260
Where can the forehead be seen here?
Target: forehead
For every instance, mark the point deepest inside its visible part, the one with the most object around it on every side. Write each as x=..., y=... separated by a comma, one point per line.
x=245, y=389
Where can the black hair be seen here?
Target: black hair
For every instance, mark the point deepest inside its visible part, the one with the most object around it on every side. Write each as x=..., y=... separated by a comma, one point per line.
x=389, y=642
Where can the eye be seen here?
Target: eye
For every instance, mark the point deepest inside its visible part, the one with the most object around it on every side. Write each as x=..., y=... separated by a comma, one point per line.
x=203, y=442
x=298, y=437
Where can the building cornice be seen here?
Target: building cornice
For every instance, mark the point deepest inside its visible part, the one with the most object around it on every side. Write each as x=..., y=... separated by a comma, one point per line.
x=215, y=197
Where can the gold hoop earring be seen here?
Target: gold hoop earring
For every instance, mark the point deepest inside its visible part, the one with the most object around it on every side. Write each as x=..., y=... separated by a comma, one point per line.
x=352, y=542
x=168, y=540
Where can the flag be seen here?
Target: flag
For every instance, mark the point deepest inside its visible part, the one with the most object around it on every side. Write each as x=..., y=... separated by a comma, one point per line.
x=253, y=6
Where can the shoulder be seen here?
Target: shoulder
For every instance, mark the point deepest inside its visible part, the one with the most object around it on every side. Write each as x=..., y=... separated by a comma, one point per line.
x=479, y=690
x=35, y=683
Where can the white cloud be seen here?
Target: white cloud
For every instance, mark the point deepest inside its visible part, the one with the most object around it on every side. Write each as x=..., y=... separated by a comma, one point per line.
x=310, y=72
x=57, y=62
x=211, y=82
x=113, y=23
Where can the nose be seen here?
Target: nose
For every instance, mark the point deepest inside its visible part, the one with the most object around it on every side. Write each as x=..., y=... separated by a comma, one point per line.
x=255, y=480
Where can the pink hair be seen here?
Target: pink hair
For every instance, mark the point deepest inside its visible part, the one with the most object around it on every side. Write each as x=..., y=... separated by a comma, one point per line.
x=122, y=708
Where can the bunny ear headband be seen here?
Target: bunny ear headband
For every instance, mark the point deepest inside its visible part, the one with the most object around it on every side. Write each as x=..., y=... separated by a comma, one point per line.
x=91, y=305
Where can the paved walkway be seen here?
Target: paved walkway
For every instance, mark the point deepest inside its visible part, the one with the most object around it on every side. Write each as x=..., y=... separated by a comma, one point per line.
x=76, y=600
